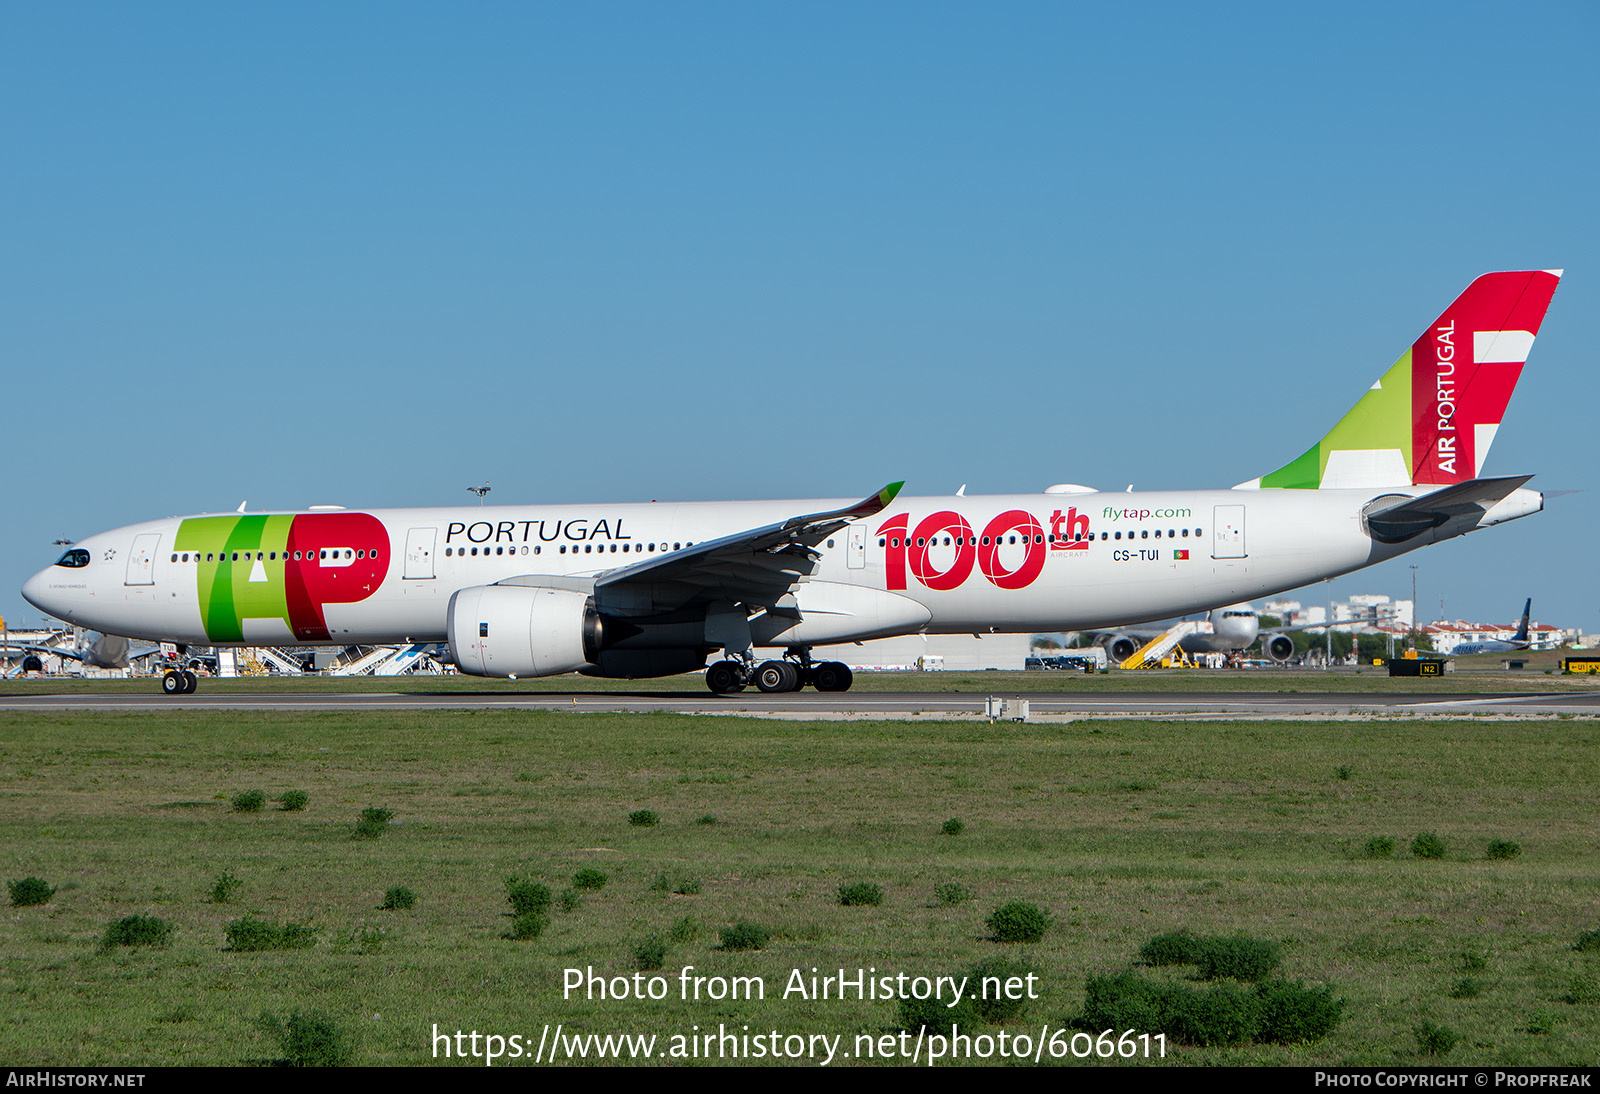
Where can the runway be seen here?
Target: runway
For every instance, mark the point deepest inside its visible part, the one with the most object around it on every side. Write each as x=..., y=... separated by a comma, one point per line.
x=812, y=704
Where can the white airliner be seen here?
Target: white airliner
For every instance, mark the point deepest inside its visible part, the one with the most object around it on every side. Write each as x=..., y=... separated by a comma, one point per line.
x=1234, y=627
x=643, y=590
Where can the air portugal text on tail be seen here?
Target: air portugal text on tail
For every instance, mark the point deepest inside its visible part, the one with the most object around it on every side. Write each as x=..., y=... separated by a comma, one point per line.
x=640, y=590
x=1432, y=417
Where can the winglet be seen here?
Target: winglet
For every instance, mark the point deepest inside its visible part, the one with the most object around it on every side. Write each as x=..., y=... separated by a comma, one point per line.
x=877, y=503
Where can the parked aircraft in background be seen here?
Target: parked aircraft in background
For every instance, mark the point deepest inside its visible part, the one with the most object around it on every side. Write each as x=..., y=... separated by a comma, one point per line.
x=644, y=590
x=1234, y=628
x=1519, y=641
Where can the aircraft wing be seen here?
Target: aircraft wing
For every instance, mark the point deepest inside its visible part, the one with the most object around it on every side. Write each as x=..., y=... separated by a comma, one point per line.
x=758, y=567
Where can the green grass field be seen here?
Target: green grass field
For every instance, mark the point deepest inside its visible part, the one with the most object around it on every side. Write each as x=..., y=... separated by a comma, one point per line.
x=1121, y=829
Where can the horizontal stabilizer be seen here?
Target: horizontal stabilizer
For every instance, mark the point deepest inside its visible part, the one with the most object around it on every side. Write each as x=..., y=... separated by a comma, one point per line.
x=1396, y=519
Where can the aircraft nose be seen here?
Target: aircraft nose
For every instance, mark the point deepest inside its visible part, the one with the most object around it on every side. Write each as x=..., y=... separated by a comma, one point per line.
x=33, y=591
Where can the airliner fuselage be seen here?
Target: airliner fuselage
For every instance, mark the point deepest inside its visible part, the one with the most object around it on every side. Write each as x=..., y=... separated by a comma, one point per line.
x=1011, y=563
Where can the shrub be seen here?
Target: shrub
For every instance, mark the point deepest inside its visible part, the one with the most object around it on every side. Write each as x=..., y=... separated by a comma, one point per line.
x=251, y=935
x=643, y=818
x=650, y=955
x=1427, y=845
x=372, y=823
x=527, y=897
x=1344, y=772
x=1474, y=960
x=1275, y=1011
x=30, y=890
x=951, y=893
x=682, y=884
x=1503, y=848
x=936, y=1015
x=1582, y=990
x=569, y=900
x=1018, y=921
x=311, y=1040
x=745, y=936
x=292, y=801
x=1219, y=1015
x=528, y=925
x=1173, y=948
x=684, y=931
x=707, y=818
x=398, y=899
x=861, y=893
x=1379, y=847
x=1588, y=941
x=138, y=930
x=1293, y=1014
x=953, y=827
x=1435, y=1040
x=249, y=801
x=989, y=980
x=1126, y=1001
x=589, y=880
x=1467, y=988
x=223, y=888
x=1238, y=957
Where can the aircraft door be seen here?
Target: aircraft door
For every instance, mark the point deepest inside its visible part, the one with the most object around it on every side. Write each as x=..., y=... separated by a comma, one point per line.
x=419, y=553
x=141, y=562
x=856, y=547
x=1227, y=531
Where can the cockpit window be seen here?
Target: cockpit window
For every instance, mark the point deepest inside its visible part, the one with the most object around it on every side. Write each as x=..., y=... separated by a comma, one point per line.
x=74, y=558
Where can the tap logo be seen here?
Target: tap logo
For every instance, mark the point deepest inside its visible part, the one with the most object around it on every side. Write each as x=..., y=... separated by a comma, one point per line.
x=286, y=567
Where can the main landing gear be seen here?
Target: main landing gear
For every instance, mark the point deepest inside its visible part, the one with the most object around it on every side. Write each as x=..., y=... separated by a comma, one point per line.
x=179, y=682
x=728, y=676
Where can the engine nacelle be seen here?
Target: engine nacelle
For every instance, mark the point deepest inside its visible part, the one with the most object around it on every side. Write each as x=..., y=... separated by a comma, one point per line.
x=514, y=630
x=1280, y=647
x=1120, y=647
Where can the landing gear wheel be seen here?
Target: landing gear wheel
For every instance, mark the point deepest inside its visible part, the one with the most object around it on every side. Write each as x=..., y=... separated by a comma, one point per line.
x=776, y=676
x=173, y=683
x=190, y=682
x=832, y=676
x=725, y=677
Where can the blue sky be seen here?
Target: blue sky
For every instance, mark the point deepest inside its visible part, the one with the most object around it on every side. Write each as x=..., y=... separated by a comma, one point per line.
x=369, y=254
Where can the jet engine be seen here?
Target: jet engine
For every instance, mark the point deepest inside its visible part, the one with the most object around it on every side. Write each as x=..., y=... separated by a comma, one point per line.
x=1280, y=647
x=515, y=630
x=1120, y=647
